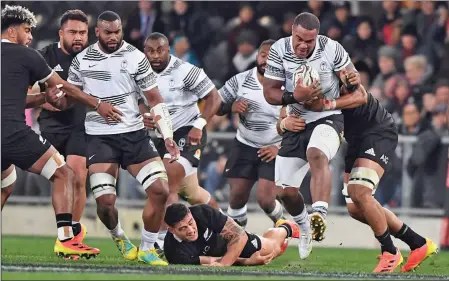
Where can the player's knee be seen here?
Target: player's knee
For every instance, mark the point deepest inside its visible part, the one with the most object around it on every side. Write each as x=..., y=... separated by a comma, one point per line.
x=159, y=192
x=317, y=158
x=362, y=184
x=154, y=175
x=65, y=174
x=359, y=194
x=354, y=211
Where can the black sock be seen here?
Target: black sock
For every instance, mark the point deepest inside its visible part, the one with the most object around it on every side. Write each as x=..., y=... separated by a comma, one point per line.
x=63, y=220
x=76, y=228
x=287, y=228
x=386, y=243
x=411, y=238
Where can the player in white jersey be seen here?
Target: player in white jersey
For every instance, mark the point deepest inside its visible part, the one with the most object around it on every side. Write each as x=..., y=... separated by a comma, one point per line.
x=320, y=141
x=256, y=144
x=111, y=70
x=182, y=85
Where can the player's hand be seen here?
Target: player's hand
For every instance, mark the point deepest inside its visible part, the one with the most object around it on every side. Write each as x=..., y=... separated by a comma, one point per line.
x=54, y=94
x=268, y=153
x=148, y=121
x=215, y=263
x=302, y=93
x=240, y=106
x=350, y=77
x=258, y=259
x=108, y=112
x=194, y=137
x=173, y=149
x=294, y=123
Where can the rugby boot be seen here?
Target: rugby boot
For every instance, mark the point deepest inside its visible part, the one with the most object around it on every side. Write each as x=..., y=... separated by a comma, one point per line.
x=419, y=255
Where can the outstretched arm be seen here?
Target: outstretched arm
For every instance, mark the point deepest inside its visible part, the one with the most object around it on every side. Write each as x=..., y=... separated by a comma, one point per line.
x=237, y=238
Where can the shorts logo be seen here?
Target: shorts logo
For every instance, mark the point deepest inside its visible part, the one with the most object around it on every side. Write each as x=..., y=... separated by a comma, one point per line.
x=181, y=143
x=152, y=146
x=255, y=244
x=384, y=159
x=370, y=152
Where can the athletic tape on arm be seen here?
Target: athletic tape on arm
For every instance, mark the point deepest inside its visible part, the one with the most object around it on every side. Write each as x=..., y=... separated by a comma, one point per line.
x=164, y=121
x=151, y=172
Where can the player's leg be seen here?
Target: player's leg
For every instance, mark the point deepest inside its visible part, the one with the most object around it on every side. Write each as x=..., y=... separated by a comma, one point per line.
x=238, y=197
x=362, y=183
x=289, y=174
x=9, y=177
x=323, y=145
x=266, y=197
x=76, y=159
x=194, y=193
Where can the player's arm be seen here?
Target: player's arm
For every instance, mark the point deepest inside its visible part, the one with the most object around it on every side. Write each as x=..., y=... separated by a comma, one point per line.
x=34, y=98
x=343, y=67
x=229, y=99
x=144, y=110
x=237, y=238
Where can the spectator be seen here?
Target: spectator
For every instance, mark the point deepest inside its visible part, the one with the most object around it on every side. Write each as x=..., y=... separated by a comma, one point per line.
x=388, y=22
x=398, y=92
x=418, y=74
x=287, y=23
x=247, y=21
x=319, y=9
x=388, y=57
x=141, y=23
x=442, y=92
x=246, y=53
x=410, y=120
x=341, y=20
x=363, y=46
x=429, y=106
x=429, y=161
x=181, y=49
x=193, y=24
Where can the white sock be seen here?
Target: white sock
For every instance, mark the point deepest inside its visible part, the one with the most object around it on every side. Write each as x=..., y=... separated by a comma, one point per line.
x=303, y=221
x=277, y=213
x=65, y=233
x=320, y=207
x=117, y=232
x=148, y=239
x=239, y=215
x=75, y=222
x=160, y=238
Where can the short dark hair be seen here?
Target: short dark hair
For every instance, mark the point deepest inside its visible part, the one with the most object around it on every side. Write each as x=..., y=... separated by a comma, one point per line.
x=108, y=16
x=267, y=42
x=308, y=21
x=77, y=15
x=17, y=15
x=156, y=36
x=175, y=213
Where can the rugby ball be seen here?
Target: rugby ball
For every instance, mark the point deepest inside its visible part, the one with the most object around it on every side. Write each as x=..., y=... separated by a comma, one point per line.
x=307, y=73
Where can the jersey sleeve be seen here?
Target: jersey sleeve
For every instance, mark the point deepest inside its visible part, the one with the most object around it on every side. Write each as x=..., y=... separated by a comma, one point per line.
x=275, y=69
x=339, y=57
x=228, y=92
x=145, y=77
x=198, y=82
x=40, y=71
x=74, y=75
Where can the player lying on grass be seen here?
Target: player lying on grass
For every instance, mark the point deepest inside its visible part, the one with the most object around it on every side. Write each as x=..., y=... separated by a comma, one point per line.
x=203, y=235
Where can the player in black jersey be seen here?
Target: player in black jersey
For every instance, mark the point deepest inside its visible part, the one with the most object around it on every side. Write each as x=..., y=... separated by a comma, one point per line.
x=22, y=147
x=372, y=138
x=202, y=235
x=65, y=129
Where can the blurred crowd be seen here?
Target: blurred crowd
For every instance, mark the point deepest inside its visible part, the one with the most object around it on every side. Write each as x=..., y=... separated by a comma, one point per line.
x=401, y=50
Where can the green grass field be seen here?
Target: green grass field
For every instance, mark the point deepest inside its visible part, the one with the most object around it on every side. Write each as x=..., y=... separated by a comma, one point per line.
x=32, y=258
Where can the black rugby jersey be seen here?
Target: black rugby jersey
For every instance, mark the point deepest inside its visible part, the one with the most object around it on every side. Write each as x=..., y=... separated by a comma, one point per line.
x=371, y=116
x=21, y=67
x=66, y=120
x=210, y=223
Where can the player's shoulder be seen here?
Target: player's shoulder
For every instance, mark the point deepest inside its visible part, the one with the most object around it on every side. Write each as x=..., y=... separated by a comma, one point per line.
x=130, y=51
x=244, y=76
x=88, y=52
x=47, y=50
x=327, y=44
x=282, y=45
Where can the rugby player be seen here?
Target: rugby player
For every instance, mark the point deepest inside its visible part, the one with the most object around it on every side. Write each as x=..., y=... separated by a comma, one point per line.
x=320, y=141
x=22, y=147
x=181, y=85
x=256, y=144
x=111, y=70
x=203, y=235
x=65, y=129
x=372, y=138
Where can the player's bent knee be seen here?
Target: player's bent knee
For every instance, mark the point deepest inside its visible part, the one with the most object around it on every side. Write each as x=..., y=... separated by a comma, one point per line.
x=10, y=179
x=151, y=172
x=362, y=183
x=325, y=139
x=102, y=184
x=54, y=163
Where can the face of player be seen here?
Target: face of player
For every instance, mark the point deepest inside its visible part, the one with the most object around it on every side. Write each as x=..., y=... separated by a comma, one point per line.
x=158, y=53
x=303, y=41
x=22, y=34
x=186, y=230
x=262, y=58
x=73, y=36
x=110, y=35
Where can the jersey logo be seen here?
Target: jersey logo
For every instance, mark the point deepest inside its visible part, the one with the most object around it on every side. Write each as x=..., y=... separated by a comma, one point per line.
x=171, y=82
x=370, y=152
x=58, y=68
x=323, y=66
x=92, y=65
x=124, y=65
x=207, y=234
x=384, y=159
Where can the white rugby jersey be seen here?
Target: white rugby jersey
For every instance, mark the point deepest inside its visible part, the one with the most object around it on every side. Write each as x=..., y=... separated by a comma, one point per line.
x=257, y=126
x=327, y=57
x=181, y=85
x=113, y=78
